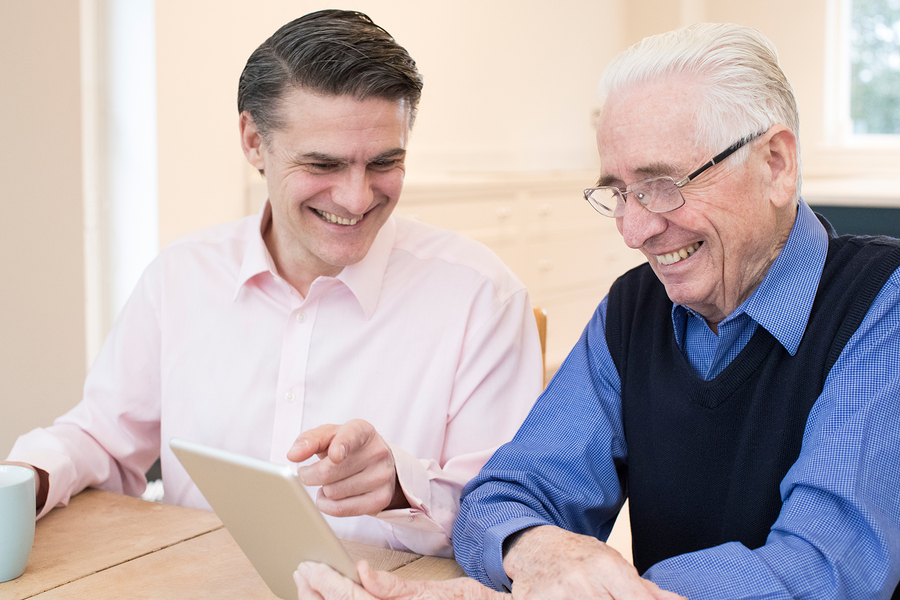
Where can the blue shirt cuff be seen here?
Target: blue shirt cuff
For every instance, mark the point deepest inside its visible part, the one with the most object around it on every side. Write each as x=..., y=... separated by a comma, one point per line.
x=493, y=549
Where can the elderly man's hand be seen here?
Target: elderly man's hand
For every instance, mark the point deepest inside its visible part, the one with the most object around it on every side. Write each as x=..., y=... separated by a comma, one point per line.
x=549, y=563
x=356, y=469
x=316, y=581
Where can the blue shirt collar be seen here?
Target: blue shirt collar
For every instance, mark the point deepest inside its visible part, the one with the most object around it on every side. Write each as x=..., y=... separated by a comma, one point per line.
x=783, y=301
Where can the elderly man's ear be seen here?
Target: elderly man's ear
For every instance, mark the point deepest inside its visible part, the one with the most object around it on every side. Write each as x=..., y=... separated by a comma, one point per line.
x=251, y=142
x=781, y=148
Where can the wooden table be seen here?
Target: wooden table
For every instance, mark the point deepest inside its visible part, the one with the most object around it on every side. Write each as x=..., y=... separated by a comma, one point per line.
x=111, y=546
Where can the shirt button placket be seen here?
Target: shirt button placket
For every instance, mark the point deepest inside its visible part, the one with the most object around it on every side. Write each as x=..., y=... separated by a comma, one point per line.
x=292, y=377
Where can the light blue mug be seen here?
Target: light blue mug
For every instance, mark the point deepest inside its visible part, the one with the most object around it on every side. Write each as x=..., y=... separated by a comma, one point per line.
x=16, y=519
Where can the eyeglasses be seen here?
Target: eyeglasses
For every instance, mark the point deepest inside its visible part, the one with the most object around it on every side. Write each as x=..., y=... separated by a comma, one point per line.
x=657, y=194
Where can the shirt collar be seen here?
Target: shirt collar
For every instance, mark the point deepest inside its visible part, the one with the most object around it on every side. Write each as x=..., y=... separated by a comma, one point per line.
x=256, y=258
x=364, y=279
x=783, y=301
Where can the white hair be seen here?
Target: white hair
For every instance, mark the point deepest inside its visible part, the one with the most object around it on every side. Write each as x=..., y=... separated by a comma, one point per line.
x=744, y=90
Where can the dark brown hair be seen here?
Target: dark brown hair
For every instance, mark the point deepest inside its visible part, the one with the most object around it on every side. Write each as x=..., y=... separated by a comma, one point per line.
x=330, y=52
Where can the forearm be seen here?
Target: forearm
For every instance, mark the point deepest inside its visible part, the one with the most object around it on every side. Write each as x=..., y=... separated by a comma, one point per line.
x=528, y=483
x=66, y=461
x=791, y=568
x=512, y=494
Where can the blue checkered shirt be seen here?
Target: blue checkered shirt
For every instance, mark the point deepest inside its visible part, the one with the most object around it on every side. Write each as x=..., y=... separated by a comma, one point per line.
x=838, y=533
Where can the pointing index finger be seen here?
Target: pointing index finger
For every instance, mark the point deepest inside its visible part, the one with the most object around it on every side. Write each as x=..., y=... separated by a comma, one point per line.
x=314, y=441
x=351, y=436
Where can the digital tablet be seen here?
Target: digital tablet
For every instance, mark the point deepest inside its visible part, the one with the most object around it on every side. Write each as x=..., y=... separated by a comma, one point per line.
x=267, y=511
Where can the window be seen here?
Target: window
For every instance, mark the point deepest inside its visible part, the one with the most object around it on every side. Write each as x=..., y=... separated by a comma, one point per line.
x=874, y=57
x=120, y=149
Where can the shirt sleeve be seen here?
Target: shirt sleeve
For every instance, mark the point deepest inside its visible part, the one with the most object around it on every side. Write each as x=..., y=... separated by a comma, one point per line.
x=562, y=468
x=110, y=438
x=499, y=376
x=838, y=532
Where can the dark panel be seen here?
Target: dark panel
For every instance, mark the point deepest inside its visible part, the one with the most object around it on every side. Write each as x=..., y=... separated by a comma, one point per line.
x=862, y=220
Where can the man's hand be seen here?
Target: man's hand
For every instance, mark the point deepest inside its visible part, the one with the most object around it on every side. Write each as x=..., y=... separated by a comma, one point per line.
x=549, y=563
x=356, y=469
x=316, y=581
x=41, y=482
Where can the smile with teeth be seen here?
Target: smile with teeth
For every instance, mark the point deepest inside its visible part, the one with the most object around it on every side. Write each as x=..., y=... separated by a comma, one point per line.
x=332, y=218
x=673, y=257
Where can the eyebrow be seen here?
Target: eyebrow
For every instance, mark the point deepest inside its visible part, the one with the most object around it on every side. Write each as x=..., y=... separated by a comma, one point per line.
x=643, y=172
x=608, y=181
x=317, y=157
x=395, y=153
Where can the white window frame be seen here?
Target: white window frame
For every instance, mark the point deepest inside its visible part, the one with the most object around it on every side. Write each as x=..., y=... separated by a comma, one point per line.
x=839, y=125
x=121, y=207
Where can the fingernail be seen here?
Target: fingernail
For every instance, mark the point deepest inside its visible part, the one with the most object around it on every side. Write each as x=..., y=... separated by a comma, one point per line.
x=343, y=451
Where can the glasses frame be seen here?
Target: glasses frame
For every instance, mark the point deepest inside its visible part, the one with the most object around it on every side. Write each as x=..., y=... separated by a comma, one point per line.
x=620, y=194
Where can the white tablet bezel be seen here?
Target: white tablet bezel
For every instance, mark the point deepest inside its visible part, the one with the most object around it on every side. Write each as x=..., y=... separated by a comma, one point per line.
x=267, y=511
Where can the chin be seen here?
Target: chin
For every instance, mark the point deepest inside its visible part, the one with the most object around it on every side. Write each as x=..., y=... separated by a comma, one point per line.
x=345, y=259
x=678, y=295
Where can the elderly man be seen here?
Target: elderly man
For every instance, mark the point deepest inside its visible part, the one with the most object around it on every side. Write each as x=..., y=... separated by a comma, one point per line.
x=741, y=389
x=399, y=354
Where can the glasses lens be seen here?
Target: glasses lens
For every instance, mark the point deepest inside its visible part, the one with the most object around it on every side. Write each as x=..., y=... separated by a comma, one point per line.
x=658, y=195
x=605, y=201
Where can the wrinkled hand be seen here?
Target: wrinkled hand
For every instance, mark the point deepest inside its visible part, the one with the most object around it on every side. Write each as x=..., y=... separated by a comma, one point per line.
x=356, y=469
x=549, y=563
x=316, y=581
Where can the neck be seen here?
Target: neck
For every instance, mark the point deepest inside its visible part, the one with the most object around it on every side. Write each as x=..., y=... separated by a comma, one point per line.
x=298, y=271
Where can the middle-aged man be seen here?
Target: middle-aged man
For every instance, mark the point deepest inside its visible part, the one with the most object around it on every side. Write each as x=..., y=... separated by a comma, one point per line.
x=403, y=353
x=741, y=389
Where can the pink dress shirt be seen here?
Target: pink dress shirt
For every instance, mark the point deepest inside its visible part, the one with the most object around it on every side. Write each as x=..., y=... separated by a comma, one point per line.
x=430, y=338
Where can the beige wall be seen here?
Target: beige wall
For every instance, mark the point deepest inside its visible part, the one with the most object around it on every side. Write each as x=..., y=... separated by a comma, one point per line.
x=508, y=86
x=42, y=332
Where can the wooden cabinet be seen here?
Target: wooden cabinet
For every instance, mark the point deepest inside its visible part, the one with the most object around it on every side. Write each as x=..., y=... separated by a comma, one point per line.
x=541, y=226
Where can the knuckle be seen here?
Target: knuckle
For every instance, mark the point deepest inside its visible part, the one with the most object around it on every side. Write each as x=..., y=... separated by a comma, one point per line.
x=334, y=492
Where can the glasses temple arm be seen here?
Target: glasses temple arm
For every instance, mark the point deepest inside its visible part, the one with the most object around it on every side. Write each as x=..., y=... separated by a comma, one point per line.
x=720, y=157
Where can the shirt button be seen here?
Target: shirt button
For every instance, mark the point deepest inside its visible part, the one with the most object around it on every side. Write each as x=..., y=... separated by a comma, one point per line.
x=289, y=396
x=301, y=317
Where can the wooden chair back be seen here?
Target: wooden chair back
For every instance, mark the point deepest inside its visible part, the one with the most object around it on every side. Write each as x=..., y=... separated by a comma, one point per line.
x=540, y=315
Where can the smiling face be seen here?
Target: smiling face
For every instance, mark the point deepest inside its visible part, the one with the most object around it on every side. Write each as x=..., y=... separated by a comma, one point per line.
x=716, y=249
x=334, y=172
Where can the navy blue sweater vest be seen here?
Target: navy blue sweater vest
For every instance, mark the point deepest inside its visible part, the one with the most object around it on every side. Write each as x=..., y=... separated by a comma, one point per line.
x=705, y=458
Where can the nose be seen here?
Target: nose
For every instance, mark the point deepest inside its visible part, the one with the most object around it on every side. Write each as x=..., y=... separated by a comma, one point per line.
x=639, y=224
x=354, y=192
